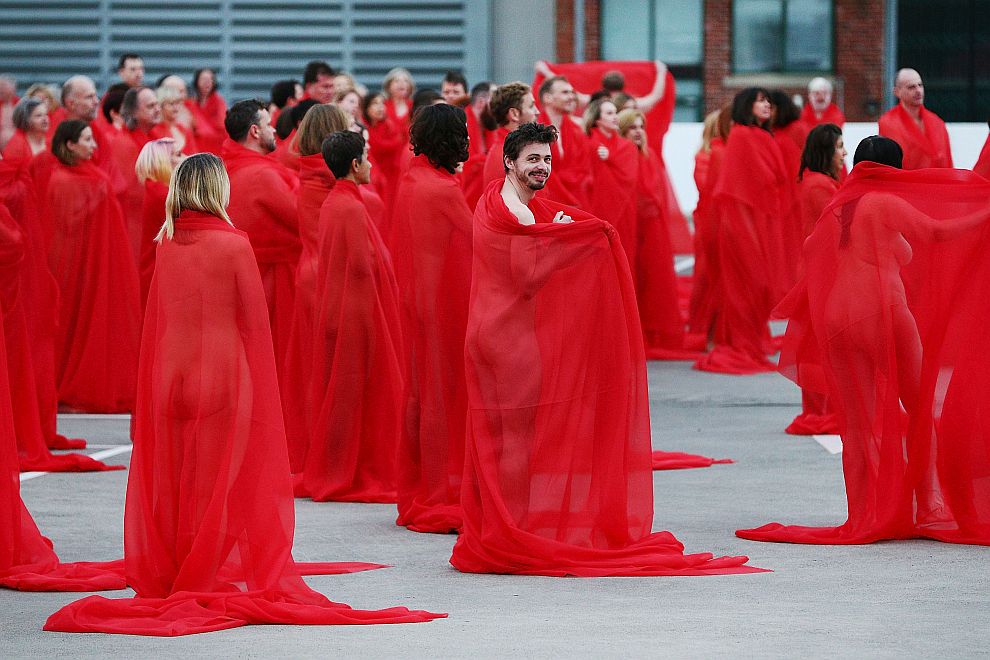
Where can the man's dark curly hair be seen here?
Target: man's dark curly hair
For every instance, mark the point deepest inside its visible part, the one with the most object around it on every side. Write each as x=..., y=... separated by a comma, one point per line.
x=440, y=133
x=524, y=136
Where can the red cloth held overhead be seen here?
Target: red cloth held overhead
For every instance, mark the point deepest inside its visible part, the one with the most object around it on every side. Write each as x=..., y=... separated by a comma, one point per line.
x=356, y=384
x=831, y=115
x=747, y=199
x=922, y=148
x=558, y=476
x=263, y=199
x=894, y=301
x=96, y=346
x=432, y=239
x=586, y=77
x=208, y=125
x=209, y=520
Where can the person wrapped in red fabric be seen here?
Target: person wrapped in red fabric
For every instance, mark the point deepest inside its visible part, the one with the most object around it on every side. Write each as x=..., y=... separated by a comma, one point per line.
x=171, y=102
x=356, y=385
x=32, y=122
x=208, y=520
x=789, y=134
x=479, y=137
x=432, y=256
x=398, y=87
x=141, y=114
x=263, y=198
x=80, y=101
x=704, y=278
x=572, y=180
x=614, y=168
x=920, y=132
x=557, y=477
x=656, y=283
x=96, y=346
x=820, y=109
x=208, y=109
x=895, y=298
x=511, y=105
x=315, y=183
x=748, y=200
x=27, y=560
x=822, y=162
x=153, y=168
x=387, y=141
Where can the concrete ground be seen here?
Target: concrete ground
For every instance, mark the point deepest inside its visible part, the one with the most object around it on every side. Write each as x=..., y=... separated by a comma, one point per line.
x=895, y=599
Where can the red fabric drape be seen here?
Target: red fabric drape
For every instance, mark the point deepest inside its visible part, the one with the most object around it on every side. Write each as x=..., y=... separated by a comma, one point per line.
x=263, y=199
x=748, y=199
x=356, y=383
x=640, y=77
x=287, y=152
x=18, y=149
x=982, y=166
x=472, y=177
x=432, y=239
x=387, y=141
x=152, y=218
x=185, y=139
x=704, y=289
x=656, y=283
x=614, y=194
x=96, y=346
x=921, y=149
x=27, y=560
x=894, y=302
x=571, y=180
x=558, y=472
x=209, y=520
x=208, y=125
x=494, y=168
x=832, y=115
x=39, y=295
x=125, y=148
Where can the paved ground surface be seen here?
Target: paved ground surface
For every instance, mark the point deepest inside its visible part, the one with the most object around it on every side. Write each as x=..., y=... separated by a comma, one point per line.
x=897, y=599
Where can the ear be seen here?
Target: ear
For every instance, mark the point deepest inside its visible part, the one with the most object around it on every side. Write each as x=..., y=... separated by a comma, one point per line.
x=355, y=166
x=507, y=162
x=514, y=114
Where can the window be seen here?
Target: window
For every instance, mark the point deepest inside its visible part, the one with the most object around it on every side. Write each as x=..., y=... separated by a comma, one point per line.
x=782, y=36
x=668, y=30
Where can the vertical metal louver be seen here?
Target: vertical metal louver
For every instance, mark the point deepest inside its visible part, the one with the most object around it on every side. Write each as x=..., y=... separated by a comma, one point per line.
x=251, y=43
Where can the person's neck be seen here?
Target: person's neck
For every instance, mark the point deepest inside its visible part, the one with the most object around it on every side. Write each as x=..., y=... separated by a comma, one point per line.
x=351, y=178
x=255, y=147
x=524, y=193
x=819, y=113
x=913, y=110
x=36, y=137
x=608, y=133
x=511, y=126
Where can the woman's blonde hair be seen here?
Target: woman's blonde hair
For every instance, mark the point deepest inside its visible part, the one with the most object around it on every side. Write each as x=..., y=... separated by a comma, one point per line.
x=627, y=118
x=155, y=161
x=199, y=183
x=593, y=112
x=45, y=92
x=168, y=94
x=398, y=72
x=710, y=130
x=318, y=123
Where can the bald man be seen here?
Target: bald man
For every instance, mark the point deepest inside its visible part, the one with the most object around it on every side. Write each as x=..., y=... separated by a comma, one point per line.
x=820, y=109
x=919, y=131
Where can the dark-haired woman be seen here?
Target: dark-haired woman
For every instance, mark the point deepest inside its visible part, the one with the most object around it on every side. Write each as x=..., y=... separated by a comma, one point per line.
x=748, y=199
x=894, y=300
x=821, y=165
x=208, y=110
x=96, y=347
x=431, y=240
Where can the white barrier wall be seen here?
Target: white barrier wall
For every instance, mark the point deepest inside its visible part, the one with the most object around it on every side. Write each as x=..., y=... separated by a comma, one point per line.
x=683, y=140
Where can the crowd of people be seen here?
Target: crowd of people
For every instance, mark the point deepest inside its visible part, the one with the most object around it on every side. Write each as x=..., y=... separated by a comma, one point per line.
x=444, y=299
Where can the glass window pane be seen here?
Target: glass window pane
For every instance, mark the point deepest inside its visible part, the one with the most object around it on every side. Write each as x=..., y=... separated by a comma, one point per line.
x=809, y=35
x=625, y=30
x=757, y=30
x=679, y=26
x=689, y=100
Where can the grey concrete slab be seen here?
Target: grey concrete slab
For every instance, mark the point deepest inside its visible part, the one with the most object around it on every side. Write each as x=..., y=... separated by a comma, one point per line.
x=896, y=599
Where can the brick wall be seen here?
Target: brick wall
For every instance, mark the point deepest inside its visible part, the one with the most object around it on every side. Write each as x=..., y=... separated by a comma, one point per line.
x=859, y=49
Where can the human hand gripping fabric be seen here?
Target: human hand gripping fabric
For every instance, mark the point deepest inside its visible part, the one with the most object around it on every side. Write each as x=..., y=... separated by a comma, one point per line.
x=562, y=217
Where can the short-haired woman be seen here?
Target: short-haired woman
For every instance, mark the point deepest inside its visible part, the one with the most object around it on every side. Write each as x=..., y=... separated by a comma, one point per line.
x=31, y=124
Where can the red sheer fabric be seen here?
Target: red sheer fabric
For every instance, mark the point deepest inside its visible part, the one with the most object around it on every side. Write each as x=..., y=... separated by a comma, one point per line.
x=678, y=460
x=125, y=148
x=922, y=148
x=287, y=152
x=185, y=140
x=558, y=472
x=614, y=193
x=18, y=150
x=656, y=283
x=790, y=140
x=494, y=167
x=356, y=384
x=982, y=166
x=748, y=200
x=27, y=560
x=831, y=115
x=387, y=141
x=640, y=77
x=894, y=306
x=38, y=293
x=571, y=182
x=432, y=238
x=263, y=199
x=208, y=127
x=152, y=218
x=209, y=517
x=96, y=345
x=704, y=289
x=472, y=177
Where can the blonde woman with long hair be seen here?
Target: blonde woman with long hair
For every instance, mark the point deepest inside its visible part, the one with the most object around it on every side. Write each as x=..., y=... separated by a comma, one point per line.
x=208, y=522
x=153, y=168
x=398, y=88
